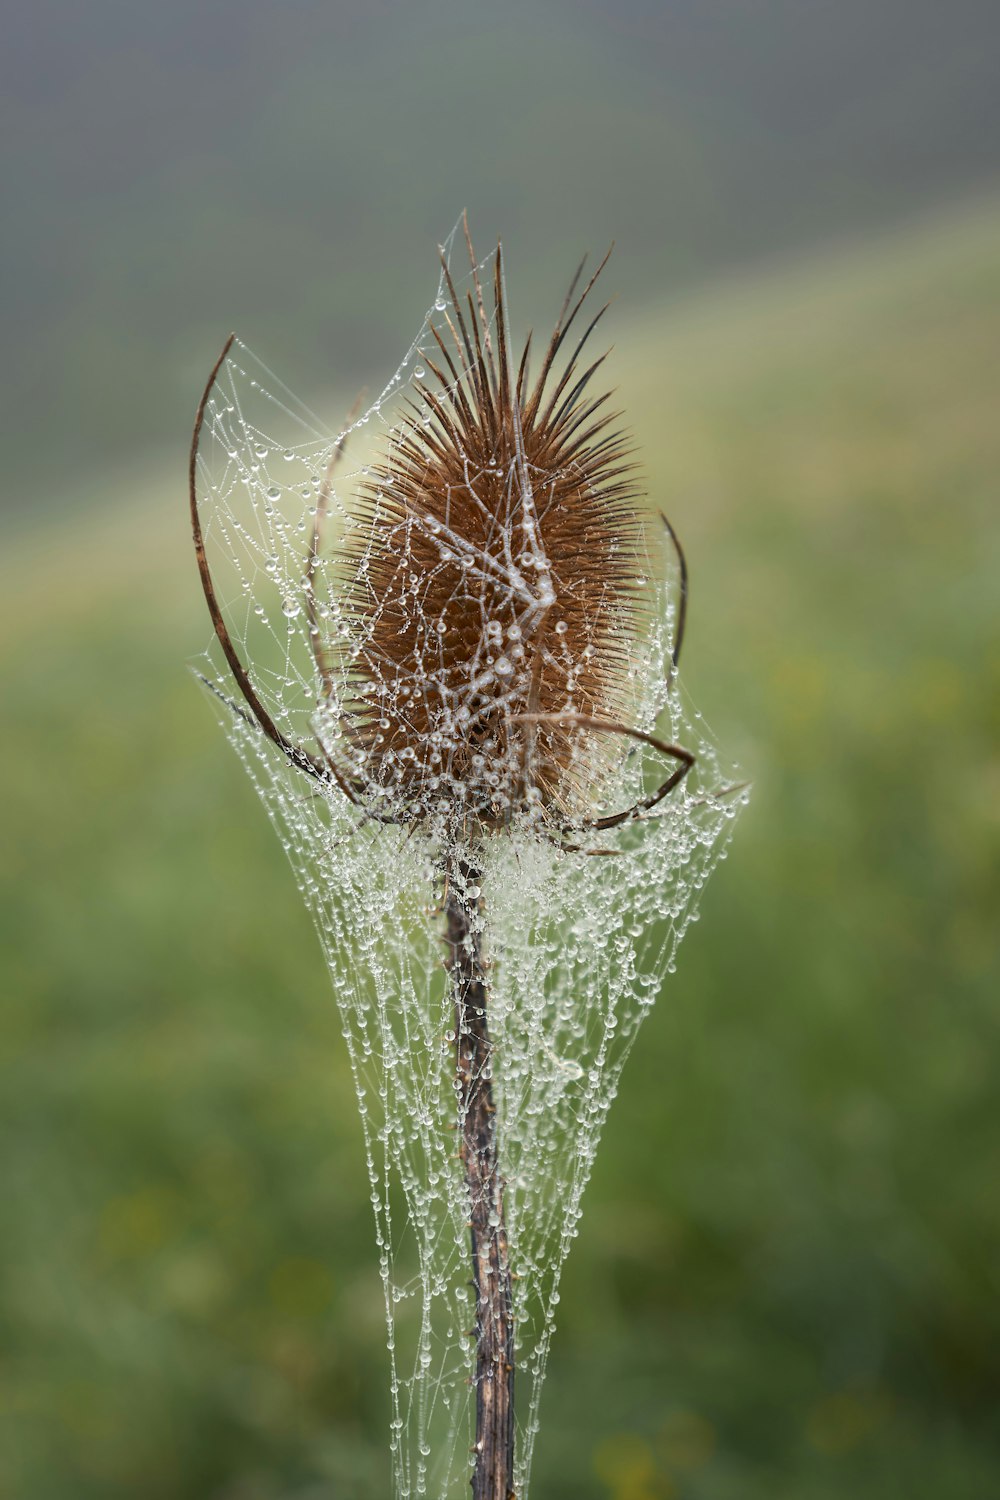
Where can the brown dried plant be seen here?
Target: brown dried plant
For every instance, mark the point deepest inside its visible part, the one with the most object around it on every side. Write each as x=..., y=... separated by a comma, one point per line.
x=495, y=582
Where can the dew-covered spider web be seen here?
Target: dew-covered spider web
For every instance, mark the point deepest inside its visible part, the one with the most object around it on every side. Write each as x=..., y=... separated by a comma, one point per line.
x=577, y=942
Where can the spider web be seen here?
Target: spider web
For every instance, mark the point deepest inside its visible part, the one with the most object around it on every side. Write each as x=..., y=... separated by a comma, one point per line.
x=578, y=945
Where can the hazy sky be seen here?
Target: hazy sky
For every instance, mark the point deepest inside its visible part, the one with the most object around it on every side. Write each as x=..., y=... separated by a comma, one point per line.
x=174, y=170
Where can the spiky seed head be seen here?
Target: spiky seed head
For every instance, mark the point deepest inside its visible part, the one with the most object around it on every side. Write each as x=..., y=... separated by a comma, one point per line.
x=496, y=570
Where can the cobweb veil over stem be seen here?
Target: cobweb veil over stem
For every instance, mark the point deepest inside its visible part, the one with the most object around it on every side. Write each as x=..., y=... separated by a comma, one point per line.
x=450, y=672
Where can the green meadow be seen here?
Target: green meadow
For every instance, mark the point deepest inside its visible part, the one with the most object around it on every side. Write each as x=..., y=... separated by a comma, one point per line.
x=786, y=1284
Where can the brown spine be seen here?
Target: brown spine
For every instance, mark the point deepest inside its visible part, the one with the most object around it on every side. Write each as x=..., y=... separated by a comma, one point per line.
x=493, y=1469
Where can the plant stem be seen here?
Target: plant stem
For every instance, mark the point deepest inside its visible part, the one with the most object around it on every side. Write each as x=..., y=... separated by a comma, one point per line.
x=493, y=1470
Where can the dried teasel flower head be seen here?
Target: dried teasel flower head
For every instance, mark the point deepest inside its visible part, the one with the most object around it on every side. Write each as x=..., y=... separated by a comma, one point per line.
x=467, y=635
x=495, y=581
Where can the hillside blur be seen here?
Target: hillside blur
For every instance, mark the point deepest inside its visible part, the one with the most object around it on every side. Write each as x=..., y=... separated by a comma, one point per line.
x=786, y=1283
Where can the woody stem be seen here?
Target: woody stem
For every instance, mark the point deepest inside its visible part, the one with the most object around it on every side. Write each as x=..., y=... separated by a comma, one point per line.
x=493, y=1469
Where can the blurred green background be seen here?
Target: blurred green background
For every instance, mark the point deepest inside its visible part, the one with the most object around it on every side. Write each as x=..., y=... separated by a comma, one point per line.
x=786, y=1285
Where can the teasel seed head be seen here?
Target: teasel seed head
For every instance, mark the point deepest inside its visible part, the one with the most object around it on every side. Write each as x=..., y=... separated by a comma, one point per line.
x=497, y=569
